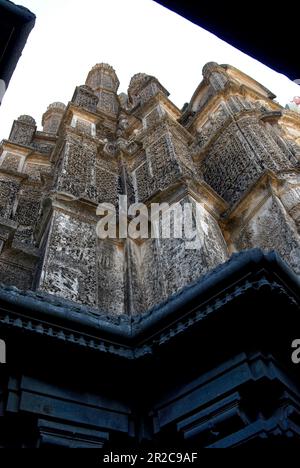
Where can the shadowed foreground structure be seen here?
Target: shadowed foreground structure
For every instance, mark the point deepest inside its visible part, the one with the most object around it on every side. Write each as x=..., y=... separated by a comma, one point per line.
x=123, y=342
x=16, y=23
x=236, y=26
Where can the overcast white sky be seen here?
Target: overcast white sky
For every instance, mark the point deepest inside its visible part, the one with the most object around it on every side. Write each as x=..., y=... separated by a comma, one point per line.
x=133, y=36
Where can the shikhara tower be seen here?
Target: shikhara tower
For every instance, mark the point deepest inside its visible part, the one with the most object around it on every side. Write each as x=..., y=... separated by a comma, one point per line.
x=233, y=149
x=125, y=343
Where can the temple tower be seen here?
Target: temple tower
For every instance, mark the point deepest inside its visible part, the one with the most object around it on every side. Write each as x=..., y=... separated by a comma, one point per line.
x=231, y=155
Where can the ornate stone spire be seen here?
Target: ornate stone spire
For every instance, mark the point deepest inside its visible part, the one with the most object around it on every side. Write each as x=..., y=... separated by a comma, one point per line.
x=104, y=82
x=103, y=76
x=52, y=117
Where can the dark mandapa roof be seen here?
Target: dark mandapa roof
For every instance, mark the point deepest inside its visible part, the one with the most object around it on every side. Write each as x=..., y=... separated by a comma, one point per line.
x=258, y=29
x=62, y=319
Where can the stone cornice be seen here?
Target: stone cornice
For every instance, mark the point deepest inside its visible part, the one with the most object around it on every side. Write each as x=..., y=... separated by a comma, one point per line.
x=40, y=135
x=67, y=204
x=26, y=151
x=12, y=146
x=72, y=109
x=199, y=190
x=39, y=158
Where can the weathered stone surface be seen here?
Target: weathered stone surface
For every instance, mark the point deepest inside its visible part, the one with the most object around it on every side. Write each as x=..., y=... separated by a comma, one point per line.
x=271, y=229
x=70, y=259
x=232, y=153
x=23, y=130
